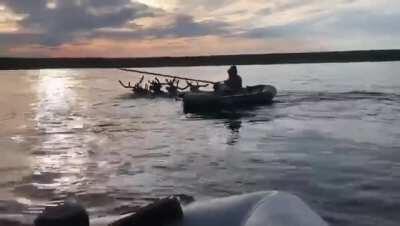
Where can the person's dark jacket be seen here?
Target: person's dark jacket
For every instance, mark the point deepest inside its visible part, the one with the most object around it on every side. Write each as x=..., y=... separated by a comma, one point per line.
x=234, y=83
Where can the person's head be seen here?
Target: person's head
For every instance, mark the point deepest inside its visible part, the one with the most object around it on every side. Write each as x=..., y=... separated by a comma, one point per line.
x=232, y=71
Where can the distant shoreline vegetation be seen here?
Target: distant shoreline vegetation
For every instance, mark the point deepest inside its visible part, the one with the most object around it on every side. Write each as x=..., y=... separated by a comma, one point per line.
x=13, y=63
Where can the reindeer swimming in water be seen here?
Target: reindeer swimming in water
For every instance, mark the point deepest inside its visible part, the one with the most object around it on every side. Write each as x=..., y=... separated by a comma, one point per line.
x=172, y=87
x=137, y=88
x=194, y=87
x=156, y=86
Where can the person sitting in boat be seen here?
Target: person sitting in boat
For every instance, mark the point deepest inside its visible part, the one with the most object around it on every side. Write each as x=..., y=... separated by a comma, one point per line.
x=232, y=85
x=234, y=82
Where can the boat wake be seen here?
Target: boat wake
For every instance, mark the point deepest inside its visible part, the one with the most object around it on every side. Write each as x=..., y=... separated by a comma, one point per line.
x=304, y=96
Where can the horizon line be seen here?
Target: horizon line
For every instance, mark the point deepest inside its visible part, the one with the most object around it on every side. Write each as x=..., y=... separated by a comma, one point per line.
x=379, y=55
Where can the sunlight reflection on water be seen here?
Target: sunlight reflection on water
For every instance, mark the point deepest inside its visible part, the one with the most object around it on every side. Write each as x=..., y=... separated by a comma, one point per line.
x=61, y=143
x=55, y=96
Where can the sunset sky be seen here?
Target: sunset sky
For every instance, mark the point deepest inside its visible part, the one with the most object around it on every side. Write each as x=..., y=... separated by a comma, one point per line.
x=127, y=28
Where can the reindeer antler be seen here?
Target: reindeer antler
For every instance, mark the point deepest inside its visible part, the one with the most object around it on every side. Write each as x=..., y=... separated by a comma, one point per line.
x=124, y=85
x=141, y=80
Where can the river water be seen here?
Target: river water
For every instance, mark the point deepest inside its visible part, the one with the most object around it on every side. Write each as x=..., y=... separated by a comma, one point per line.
x=332, y=137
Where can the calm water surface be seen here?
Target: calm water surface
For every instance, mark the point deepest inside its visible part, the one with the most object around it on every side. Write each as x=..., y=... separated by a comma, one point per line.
x=332, y=137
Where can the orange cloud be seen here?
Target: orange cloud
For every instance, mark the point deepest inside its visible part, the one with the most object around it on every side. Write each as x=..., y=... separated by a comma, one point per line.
x=207, y=45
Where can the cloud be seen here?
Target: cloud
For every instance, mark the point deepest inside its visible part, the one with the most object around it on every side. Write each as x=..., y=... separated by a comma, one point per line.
x=281, y=6
x=69, y=20
x=9, y=39
x=53, y=26
x=366, y=22
x=345, y=23
x=287, y=5
x=181, y=26
x=186, y=26
x=161, y=47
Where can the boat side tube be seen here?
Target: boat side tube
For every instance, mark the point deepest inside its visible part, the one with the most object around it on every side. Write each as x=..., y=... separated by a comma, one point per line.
x=268, y=208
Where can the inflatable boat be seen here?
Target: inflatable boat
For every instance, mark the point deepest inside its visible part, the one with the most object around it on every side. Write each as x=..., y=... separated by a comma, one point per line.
x=268, y=208
x=214, y=101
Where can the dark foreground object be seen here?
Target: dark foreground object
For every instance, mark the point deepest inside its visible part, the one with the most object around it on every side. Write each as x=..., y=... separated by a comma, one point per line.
x=69, y=214
x=9, y=63
x=212, y=102
x=156, y=214
x=253, y=209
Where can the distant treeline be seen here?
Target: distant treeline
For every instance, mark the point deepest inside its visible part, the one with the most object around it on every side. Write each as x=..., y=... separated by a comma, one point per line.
x=7, y=63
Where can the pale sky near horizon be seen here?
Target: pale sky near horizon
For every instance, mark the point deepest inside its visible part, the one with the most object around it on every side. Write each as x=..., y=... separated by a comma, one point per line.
x=141, y=28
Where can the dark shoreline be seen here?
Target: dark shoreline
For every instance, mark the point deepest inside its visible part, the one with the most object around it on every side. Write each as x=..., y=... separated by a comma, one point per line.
x=10, y=63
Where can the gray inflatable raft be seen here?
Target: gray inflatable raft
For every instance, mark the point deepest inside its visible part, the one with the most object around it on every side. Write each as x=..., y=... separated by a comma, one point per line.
x=268, y=208
x=212, y=101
